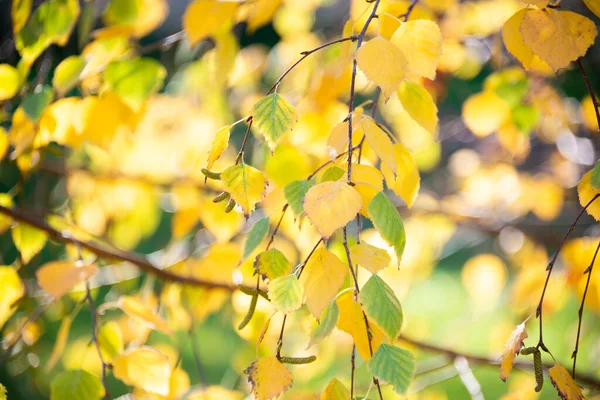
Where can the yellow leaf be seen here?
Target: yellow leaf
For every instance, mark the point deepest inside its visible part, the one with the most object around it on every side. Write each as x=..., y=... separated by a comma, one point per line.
x=60, y=342
x=139, y=311
x=388, y=24
x=407, y=180
x=28, y=240
x=383, y=63
x=66, y=74
x=352, y=321
x=513, y=40
x=204, y=18
x=370, y=257
x=245, y=184
x=56, y=124
x=3, y=146
x=144, y=368
x=261, y=13
x=594, y=6
x=322, y=278
x=338, y=138
x=537, y=3
x=110, y=340
x=380, y=142
x=20, y=13
x=59, y=277
x=419, y=104
x=588, y=114
x=10, y=81
x=219, y=145
x=511, y=349
x=368, y=181
x=11, y=290
x=586, y=194
x=331, y=205
x=269, y=378
x=557, y=37
x=485, y=112
x=421, y=43
x=484, y=277
x=567, y=388
x=335, y=390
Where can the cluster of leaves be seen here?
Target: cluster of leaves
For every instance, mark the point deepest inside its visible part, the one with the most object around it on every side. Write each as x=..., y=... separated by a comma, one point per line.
x=322, y=172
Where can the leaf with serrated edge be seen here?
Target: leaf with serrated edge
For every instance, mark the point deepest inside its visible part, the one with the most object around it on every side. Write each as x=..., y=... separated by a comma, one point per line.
x=421, y=43
x=382, y=63
x=567, y=388
x=511, y=349
x=335, y=390
x=268, y=378
x=295, y=192
x=286, y=293
x=393, y=365
x=219, y=145
x=388, y=223
x=380, y=142
x=331, y=205
x=245, y=184
x=274, y=117
x=325, y=324
x=382, y=306
x=370, y=257
x=272, y=264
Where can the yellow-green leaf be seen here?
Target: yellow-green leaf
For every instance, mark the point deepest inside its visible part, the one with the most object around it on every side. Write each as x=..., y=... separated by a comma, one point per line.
x=586, y=193
x=421, y=43
x=204, y=18
x=383, y=63
x=67, y=74
x=335, y=390
x=136, y=17
x=20, y=14
x=295, y=192
x=219, y=145
x=419, y=104
x=11, y=290
x=256, y=235
x=77, y=385
x=245, y=184
x=110, y=340
x=325, y=324
x=272, y=264
x=567, y=388
x=274, y=117
x=10, y=81
x=144, y=368
x=322, y=278
x=59, y=277
x=370, y=257
x=2, y=392
x=382, y=306
x=393, y=365
x=28, y=240
x=286, y=293
x=388, y=223
x=268, y=378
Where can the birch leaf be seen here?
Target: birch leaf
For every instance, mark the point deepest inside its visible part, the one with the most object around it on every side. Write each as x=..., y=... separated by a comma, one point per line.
x=383, y=63
x=269, y=378
x=245, y=184
x=274, y=117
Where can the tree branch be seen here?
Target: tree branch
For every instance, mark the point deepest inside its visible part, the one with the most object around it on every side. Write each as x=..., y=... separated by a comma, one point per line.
x=591, y=92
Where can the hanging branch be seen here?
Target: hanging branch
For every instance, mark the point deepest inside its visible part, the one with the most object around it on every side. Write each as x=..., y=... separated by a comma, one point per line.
x=591, y=92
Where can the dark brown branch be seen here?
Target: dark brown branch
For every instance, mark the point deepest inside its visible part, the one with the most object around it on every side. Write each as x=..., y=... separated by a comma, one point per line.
x=591, y=92
x=240, y=155
x=112, y=253
x=587, y=271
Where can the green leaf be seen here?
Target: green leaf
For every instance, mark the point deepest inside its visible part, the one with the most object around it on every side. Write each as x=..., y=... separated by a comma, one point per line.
x=332, y=174
x=135, y=80
x=121, y=12
x=393, y=365
x=256, y=235
x=272, y=264
x=2, y=392
x=67, y=74
x=34, y=104
x=595, y=179
x=28, y=240
x=51, y=23
x=512, y=91
x=387, y=221
x=274, y=117
x=76, y=385
x=335, y=390
x=286, y=293
x=382, y=306
x=327, y=322
x=295, y=192
x=525, y=117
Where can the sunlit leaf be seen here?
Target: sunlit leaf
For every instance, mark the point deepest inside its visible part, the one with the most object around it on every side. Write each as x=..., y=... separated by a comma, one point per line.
x=511, y=349
x=382, y=306
x=110, y=340
x=144, y=368
x=245, y=184
x=406, y=180
x=393, y=365
x=325, y=323
x=139, y=311
x=383, y=63
x=322, y=278
x=20, y=11
x=203, y=18
x=274, y=117
x=67, y=74
x=268, y=378
x=286, y=293
x=10, y=81
x=331, y=205
x=59, y=277
x=594, y=6
x=28, y=240
x=370, y=257
x=421, y=43
x=388, y=24
x=11, y=290
x=557, y=37
x=484, y=113
x=387, y=221
x=586, y=193
x=332, y=174
x=272, y=264
x=380, y=142
x=513, y=40
x=295, y=192
x=567, y=388
x=219, y=145
x=419, y=104
x=140, y=17
x=335, y=390
x=2, y=392
x=256, y=235
x=77, y=385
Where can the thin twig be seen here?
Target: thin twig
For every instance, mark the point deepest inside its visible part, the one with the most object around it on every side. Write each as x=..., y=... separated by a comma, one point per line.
x=539, y=311
x=591, y=92
x=409, y=10
x=283, y=211
x=587, y=271
x=240, y=155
